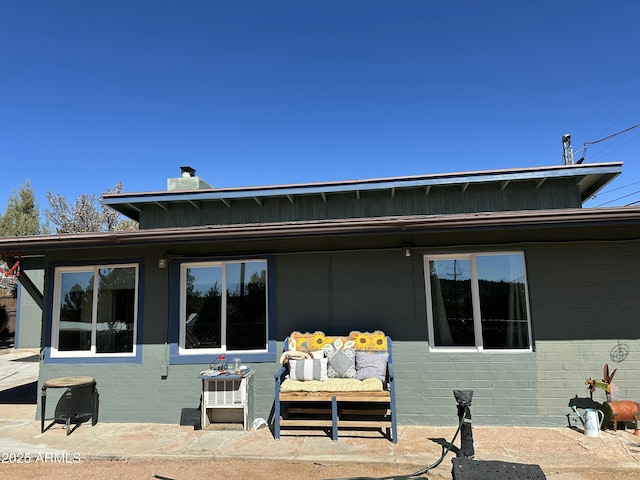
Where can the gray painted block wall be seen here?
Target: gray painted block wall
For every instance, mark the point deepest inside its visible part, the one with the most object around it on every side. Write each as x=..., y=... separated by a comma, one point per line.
x=583, y=306
x=29, y=314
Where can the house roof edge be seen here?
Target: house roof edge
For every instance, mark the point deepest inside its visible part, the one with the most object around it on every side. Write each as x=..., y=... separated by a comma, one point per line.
x=529, y=219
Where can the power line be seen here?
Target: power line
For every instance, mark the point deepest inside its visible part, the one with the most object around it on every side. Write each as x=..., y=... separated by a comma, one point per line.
x=619, y=198
x=612, y=135
x=615, y=145
x=619, y=188
x=585, y=145
x=612, y=112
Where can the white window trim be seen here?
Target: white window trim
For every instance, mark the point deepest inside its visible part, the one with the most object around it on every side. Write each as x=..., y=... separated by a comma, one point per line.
x=55, y=327
x=475, y=293
x=223, y=328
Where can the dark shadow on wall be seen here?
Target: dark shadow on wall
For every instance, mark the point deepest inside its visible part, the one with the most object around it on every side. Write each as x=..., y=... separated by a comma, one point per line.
x=584, y=402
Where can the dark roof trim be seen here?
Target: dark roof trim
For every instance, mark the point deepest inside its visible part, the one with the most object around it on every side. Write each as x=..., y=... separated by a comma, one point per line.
x=533, y=219
x=589, y=179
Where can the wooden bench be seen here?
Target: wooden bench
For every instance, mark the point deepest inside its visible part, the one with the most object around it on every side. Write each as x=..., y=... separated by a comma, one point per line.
x=337, y=401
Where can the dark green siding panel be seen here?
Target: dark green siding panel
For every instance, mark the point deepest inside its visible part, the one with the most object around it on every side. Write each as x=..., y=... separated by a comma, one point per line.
x=531, y=198
x=151, y=217
x=381, y=203
x=570, y=195
x=412, y=201
x=357, y=207
x=404, y=202
x=272, y=209
x=546, y=195
x=367, y=205
x=333, y=206
x=237, y=211
x=559, y=194
x=438, y=200
x=303, y=298
x=309, y=208
x=225, y=213
x=452, y=201
x=369, y=291
x=211, y=212
x=470, y=198
x=184, y=215
x=576, y=289
x=242, y=211
x=341, y=292
x=526, y=196
x=511, y=199
x=434, y=201
x=252, y=211
x=343, y=205
x=488, y=199
x=289, y=211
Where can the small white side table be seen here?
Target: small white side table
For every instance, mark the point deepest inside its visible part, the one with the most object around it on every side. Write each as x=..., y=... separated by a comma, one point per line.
x=227, y=398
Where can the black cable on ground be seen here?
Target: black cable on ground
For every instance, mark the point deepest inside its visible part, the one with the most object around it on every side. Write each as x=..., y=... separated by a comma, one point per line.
x=419, y=472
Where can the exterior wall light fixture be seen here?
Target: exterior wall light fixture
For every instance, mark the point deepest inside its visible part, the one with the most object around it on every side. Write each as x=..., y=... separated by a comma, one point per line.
x=406, y=248
x=163, y=262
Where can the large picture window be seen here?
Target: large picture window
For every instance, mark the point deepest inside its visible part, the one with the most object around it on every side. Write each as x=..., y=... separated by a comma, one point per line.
x=95, y=311
x=223, y=306
x=478, y=301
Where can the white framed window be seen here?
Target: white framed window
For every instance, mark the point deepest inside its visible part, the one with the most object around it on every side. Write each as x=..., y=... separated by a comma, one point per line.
x=477, y=301
x=95, y=311
x=223, y=307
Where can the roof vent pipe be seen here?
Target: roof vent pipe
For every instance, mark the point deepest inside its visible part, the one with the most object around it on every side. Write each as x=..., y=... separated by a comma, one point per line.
x=187, y=172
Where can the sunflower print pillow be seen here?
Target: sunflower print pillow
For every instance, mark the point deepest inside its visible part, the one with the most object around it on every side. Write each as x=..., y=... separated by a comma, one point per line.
x=317, y=341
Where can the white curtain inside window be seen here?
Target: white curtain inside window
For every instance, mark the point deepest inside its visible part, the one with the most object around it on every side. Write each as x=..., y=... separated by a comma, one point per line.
x=517, y=336
x=441, y=329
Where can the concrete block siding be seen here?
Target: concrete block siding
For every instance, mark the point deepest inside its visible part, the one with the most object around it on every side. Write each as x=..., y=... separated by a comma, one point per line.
x=503, y=385
x=509, y=389
x=529, y=389
x=583, y=304
x=139, y=393
x=570, y=363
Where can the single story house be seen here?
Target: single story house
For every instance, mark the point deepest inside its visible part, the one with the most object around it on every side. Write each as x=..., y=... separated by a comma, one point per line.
x=495, y=281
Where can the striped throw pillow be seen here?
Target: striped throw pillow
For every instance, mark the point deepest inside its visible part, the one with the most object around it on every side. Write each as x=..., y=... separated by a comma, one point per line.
x=309, y=369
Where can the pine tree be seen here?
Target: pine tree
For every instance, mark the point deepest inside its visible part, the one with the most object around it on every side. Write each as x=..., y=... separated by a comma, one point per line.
x=22, y=216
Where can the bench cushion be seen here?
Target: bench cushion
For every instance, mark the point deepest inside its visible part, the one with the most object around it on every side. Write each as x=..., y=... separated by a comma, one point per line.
x=333, y=385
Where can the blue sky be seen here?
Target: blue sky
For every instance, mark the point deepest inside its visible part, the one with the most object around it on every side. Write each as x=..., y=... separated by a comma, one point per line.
x=261, y=92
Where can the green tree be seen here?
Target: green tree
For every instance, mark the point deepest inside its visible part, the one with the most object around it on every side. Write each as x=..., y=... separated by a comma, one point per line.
x=22, y=216
x=87, y=214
